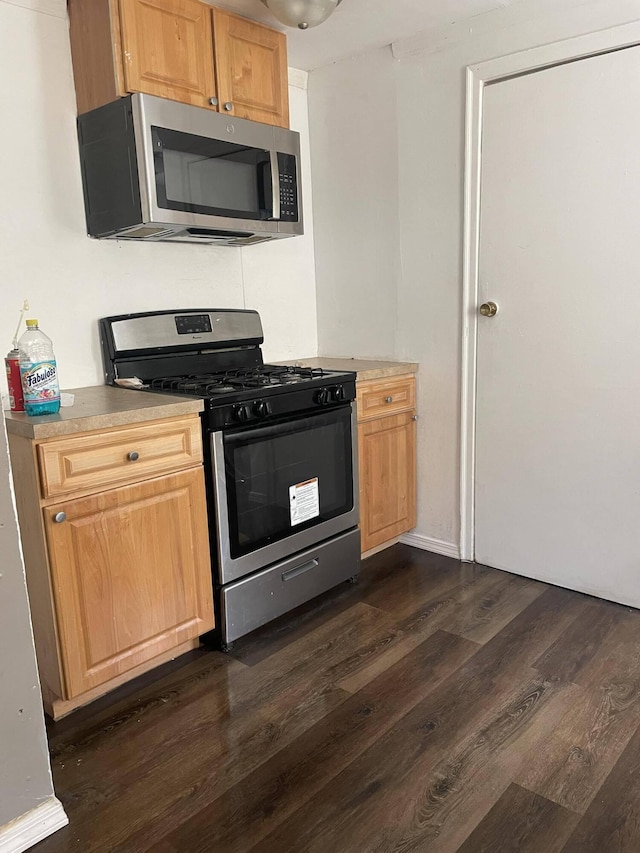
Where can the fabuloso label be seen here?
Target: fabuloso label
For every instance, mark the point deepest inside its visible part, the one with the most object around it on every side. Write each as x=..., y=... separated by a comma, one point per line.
x=40, y=382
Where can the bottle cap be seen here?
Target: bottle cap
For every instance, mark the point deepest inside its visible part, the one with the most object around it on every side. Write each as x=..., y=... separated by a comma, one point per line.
x=32, y=324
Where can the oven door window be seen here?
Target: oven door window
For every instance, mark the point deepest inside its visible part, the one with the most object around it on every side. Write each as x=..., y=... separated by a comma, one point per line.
x=287, y=477
x=211, y=176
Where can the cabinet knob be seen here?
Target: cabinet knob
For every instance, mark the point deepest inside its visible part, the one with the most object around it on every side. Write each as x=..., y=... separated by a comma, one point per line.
x=388, y=399
x=214, y=102
x=133, y=456
x=228, y=106
x=414, y=417
x=59, y=517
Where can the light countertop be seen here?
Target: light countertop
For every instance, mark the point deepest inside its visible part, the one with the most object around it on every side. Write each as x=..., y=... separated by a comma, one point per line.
x=364, y=367
x=101, y=407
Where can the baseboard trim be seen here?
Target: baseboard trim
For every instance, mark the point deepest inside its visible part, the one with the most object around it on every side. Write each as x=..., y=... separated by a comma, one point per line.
x=426, y=543
x=32, y=827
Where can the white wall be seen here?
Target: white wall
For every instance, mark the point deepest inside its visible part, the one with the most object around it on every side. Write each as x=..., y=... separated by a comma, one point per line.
x=355, y=186
x=25, y=775
x=419, y=296
x=72, y=280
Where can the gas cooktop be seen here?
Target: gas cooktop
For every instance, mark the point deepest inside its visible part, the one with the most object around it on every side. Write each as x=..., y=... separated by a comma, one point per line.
x=262, y=377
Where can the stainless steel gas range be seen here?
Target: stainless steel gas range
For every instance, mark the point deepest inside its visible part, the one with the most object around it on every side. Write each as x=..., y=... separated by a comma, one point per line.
x=280, y=456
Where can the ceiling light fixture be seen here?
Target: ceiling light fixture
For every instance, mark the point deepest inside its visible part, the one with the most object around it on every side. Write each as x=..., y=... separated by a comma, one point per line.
x=302, y=13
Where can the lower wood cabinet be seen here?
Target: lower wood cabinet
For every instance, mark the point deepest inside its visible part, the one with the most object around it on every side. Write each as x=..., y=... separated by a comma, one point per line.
x=119, y=576
x=387, y=459
x=130, y=574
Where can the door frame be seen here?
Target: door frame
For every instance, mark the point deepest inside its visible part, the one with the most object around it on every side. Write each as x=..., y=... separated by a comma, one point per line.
x=478, y=76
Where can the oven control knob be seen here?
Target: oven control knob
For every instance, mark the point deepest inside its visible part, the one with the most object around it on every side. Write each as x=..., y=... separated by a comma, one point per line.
x=323, y=397
x=242, y=413
x=338, y=393
x=261, y=409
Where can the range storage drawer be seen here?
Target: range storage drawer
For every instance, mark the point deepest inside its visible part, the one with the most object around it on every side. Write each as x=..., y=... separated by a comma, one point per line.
x=95, y=461
x=377, y=398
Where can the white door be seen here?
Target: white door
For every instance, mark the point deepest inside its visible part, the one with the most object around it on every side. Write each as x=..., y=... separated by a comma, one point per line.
x=558, y=394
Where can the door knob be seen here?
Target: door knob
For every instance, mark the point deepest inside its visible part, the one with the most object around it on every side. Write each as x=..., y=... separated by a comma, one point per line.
x=488, y=309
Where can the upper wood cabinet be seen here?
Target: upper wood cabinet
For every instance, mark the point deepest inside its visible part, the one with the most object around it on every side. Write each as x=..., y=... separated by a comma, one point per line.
x=166, y=49
x=184, y=50
x=251, y=69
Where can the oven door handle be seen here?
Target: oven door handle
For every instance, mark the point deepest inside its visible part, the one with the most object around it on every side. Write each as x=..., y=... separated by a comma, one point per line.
x=300, y=570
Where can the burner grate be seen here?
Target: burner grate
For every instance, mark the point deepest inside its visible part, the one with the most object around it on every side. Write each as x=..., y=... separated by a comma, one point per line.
x=243, y=379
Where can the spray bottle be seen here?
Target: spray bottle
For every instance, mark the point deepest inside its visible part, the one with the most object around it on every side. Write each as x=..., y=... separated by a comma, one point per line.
x=12, y=365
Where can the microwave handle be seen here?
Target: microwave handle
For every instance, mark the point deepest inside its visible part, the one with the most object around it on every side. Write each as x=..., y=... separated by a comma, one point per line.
x=275, y=185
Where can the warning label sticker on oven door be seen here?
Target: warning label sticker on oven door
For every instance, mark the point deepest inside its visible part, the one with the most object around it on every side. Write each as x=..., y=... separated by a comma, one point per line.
x=304, y=501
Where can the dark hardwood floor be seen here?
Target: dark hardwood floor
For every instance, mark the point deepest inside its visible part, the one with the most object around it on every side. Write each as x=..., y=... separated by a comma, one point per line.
x=435, y=707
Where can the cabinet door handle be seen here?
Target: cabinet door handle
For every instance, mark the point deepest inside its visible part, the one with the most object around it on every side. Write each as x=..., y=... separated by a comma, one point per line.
x=414, y=417
x=214, y=102
x=228, y=106
x=388, y=399
x=59, y=517
x=133, y=456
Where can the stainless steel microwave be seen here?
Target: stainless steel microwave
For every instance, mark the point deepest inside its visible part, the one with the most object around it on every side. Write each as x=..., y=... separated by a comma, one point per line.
x=158, y=170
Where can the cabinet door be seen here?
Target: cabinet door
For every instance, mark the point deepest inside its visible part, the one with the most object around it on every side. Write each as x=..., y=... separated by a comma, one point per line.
x=251, y=68
x=130, y=574
x=166, y=48
x=387, y=459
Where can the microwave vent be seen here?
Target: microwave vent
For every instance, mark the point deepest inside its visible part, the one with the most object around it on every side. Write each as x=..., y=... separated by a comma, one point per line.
x=251, y=241
x=142, y=232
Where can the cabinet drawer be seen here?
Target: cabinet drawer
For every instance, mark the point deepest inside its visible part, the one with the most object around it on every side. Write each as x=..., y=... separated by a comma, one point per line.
x=377, y=398
x=96, y=461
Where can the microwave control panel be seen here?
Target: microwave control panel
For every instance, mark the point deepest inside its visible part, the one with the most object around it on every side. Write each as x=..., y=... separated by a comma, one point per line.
x=288, y=188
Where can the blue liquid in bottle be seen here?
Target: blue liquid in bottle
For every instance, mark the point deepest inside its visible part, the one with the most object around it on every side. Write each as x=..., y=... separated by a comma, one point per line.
x=38, y=372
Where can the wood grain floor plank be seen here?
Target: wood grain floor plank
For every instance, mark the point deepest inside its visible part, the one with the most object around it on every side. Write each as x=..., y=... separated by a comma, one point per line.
x=477, y=607
x=581, y=751
x=217, y=741
x=571, y=652
x=522, y=822
x=454, y=796
x=497, y=608
x=369, y=799
x=247, y=812
x=199, y=673
x=418, y=619
x=363, y=723
x=612, y=822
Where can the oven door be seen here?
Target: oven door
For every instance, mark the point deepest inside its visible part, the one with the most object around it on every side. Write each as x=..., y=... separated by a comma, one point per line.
x=283, y=487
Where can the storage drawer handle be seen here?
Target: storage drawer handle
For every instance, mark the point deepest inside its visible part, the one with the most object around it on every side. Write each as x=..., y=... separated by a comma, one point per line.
x=299, y=570
x=59, y=517
x=388, y=399
x=133, y=456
